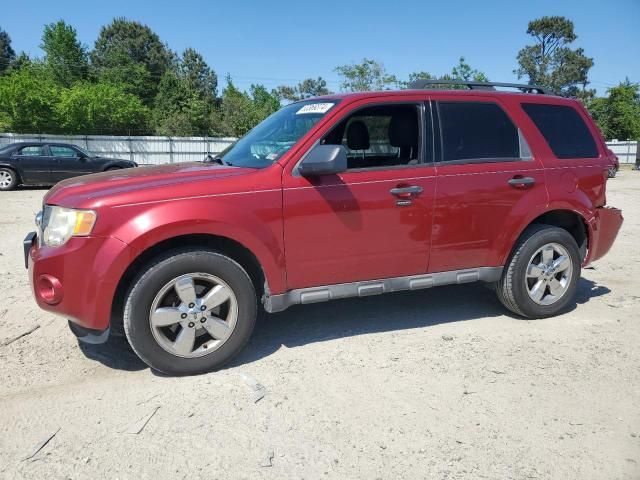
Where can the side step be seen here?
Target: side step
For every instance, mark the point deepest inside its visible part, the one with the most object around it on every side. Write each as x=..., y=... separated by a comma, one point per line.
x=277, y=303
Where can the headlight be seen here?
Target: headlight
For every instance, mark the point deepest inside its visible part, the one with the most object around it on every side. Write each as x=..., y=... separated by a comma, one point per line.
x=60, y=224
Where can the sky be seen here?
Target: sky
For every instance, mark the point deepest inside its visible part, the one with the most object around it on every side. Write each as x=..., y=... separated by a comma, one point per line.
x=283, y=42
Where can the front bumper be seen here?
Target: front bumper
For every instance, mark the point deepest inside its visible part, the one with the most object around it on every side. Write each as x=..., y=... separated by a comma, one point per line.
x=77, y=280
x=604, y=227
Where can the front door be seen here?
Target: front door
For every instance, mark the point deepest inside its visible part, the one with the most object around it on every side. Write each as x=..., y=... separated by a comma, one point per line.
x=374, y=220
x=67, y=163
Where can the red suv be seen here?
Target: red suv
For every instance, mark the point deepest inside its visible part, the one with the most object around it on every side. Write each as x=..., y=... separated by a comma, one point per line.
x=332, y=197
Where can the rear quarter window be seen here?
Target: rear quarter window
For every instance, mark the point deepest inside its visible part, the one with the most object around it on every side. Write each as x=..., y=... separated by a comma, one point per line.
x=564, y=130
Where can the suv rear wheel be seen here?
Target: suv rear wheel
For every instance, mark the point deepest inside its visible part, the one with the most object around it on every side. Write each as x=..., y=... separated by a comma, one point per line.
x=190, y=312
x=542, y=276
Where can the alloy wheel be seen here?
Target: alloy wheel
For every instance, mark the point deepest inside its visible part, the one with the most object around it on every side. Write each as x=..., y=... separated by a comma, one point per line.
x=193, y=315
x=549, y=274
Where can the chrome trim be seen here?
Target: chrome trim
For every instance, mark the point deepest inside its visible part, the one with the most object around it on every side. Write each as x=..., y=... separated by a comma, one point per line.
x=278, y=303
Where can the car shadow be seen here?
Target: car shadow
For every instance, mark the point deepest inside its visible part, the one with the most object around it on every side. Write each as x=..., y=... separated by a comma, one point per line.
x=307, y=324
x=33, y=187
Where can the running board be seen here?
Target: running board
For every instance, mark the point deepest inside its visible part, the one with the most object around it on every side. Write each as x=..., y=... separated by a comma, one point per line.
x=278, y=303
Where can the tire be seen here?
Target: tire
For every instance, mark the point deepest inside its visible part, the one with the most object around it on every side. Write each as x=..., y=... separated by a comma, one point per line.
x=518, y=279
x=612, y=172
x=8, y=179
x=162, y=347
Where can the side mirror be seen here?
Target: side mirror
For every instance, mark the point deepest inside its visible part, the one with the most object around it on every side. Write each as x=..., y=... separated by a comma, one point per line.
x=324, y=160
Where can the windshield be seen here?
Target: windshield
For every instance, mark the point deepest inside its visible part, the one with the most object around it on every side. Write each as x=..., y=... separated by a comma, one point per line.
x=88, y=154
x=6, y=148
x=270, y=139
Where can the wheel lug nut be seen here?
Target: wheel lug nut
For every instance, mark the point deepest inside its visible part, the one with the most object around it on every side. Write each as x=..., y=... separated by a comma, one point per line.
x=203, y=308
x=191, y=305
x=191, y=324
x=183, y=316
x=203, y=320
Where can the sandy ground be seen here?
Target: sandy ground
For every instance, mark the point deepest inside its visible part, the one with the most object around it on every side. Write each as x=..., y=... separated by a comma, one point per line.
x=433, y=384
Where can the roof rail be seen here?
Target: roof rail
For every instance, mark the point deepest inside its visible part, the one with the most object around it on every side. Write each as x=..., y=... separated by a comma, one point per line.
x=420, y=84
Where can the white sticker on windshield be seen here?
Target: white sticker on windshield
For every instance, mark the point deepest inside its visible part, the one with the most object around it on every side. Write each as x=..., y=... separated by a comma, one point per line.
x=315, y=108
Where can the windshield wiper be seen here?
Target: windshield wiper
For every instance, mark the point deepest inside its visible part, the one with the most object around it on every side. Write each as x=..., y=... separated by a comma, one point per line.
x=217, y=159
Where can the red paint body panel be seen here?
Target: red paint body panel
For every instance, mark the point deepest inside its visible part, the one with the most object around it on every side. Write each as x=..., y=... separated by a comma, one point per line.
x=89, y=269
x=329, y=229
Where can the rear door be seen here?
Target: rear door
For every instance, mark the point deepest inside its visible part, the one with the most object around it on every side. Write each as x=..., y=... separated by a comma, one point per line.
x=487, y=182
x=34, y=162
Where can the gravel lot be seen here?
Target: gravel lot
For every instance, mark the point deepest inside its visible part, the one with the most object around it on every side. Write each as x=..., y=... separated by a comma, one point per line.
x=433, y=384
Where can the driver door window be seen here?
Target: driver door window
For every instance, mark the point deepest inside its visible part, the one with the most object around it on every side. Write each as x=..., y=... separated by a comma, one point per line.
x=59, y=151
x=379, y=136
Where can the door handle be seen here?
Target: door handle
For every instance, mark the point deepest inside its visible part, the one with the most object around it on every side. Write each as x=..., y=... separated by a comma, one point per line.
x=406, y=191
x=522, y=182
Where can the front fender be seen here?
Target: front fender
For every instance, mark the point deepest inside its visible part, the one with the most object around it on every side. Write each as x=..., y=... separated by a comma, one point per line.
x=253, y=219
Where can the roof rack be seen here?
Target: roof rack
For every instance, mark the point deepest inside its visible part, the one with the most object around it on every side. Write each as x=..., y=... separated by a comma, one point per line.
x=420, y=84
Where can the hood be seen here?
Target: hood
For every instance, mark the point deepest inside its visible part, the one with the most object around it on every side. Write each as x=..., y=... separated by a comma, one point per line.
x=140, y=184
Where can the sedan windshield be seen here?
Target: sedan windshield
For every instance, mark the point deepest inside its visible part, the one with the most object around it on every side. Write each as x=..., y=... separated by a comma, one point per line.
x=270, y=139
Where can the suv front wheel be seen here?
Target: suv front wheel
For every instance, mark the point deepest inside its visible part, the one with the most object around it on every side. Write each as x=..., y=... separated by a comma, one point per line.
x=542, y=275
x=190, y=312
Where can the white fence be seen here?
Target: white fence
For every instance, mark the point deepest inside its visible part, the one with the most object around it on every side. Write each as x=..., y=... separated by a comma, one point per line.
x=626, y=150
x=156, y=150
x=143, y=150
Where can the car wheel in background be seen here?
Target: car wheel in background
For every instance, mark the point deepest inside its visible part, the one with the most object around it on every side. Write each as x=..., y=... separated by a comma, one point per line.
x=190, y=311
x=541, y=277
x=8, y=179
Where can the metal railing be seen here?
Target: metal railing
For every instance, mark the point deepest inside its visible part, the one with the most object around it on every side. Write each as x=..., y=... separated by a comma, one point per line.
x=143, y=150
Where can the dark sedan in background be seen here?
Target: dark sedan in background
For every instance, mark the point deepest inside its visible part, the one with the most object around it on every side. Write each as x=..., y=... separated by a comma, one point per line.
x=46, y=163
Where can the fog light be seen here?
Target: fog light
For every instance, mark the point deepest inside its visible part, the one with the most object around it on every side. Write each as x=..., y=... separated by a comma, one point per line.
x=49, y=289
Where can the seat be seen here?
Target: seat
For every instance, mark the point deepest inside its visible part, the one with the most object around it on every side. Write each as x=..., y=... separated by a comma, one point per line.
x=358, y=136
x=358, y=139
x=403, y=134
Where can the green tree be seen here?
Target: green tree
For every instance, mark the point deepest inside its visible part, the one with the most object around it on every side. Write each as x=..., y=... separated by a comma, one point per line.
x=618, y=114
x=199, y=76
x=241, y=111
x=365, y=76
x=308, y=88
x=550, y=61
x=464, y=72
x=100, y=108
x=236, y=111
x=460, y=72
x=129, y=53
x=186, y=98
x=65, y=57
x=27, y=100
x=179, y=109
x=7, y=54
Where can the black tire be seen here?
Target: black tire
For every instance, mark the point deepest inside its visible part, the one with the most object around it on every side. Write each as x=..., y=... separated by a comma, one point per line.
x=161, y=271
x=511, y=288
x=612, y=172
x=13, y=179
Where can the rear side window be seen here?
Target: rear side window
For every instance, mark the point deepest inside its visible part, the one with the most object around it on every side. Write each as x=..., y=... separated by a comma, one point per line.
x=33, y=151
x=563, y=129
x=477, y=131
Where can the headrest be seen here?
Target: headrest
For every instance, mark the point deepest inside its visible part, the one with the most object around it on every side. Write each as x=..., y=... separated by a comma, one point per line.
x=358, y=136
x=403, y=130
